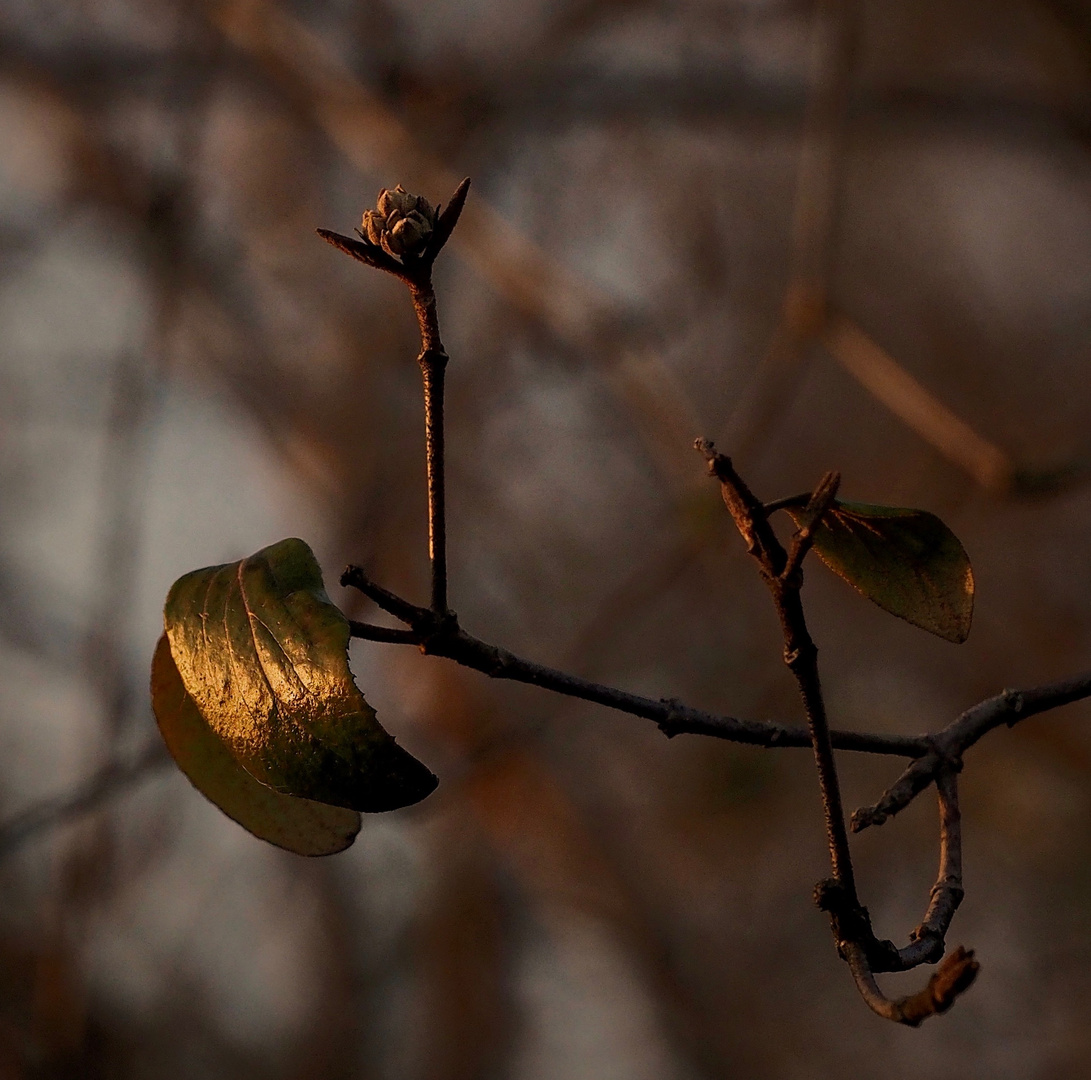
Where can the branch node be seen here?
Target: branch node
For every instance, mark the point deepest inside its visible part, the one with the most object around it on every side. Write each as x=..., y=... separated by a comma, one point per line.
x=1015, y=703
x=671, y=724
x=817, y=506
x=851, y=923
x=947, y=760
x=501, y=662
x=435, y=630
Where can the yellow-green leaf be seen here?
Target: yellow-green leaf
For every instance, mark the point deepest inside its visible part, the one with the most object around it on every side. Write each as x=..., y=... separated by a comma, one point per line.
x=264, y=655
x=906, y=561
x=299, y=825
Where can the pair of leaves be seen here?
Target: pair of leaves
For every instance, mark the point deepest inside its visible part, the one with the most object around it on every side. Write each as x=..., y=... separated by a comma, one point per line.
x=906, y=561
x=254, y=697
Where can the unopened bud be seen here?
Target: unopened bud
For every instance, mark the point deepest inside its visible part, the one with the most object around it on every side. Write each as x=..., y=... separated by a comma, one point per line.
x=402, y=224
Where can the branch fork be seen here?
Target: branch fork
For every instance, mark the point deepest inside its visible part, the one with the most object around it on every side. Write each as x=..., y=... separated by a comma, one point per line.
x=782, y=571
x=936, y=758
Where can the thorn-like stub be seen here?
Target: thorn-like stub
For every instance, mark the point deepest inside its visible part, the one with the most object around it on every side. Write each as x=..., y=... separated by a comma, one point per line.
x=866, y=817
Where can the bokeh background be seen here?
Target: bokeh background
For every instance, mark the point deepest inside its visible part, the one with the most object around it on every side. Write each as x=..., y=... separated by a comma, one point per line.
x=851, y=234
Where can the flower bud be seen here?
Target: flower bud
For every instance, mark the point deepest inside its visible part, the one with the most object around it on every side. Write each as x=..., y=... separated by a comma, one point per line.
x=373, y=226
x=402, y=224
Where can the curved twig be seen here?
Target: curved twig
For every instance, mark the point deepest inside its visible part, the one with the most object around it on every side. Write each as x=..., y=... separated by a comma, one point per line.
x=947, y=746
x=929, y=937
x=928, y=941
x=952, y=978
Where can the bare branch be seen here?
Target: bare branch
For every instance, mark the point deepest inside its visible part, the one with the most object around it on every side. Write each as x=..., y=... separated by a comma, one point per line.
x=446, y=638
x=954, y=976
x=928, y=941
x=391, y=635
x=948, y=745
x=928, y=938
x=782, y=574
x=402, y=610
x=416, y=272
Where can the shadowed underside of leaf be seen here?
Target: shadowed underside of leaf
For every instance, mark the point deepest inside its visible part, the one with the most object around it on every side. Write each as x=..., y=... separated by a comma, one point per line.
x=906, y=561
x=264, y=655
x=299, y=825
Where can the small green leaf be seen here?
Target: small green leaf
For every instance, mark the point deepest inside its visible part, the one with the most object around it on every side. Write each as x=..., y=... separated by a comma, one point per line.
x=906, y=561
x=299, y=825
x=264, y=655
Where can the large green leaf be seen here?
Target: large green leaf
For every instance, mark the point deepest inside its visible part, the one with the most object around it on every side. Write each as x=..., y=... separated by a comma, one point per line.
x=300, y=825
x=906, y=561
x=264, y=655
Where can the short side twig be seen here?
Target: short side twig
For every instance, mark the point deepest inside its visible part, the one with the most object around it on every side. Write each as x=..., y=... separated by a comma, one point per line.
x=948, y=745
x=391, y=635
x=954, y=975
x=402, y=610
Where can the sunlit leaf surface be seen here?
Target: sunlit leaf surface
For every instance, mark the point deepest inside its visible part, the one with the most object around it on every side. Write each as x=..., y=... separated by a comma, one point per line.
x=299, y=825
x=264, y=655
x=906, y=561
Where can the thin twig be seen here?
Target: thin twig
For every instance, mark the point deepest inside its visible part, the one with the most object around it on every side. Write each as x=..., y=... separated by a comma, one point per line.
x=954, y=975
x=866, y=956
x=788, y=502
x=392, y=635
x=948, y=745
x=816, y=506
x=416, y=271
x=781, y=571
x=446, y=638
x=801, y=656
x=433, y=365
x=928, y=939
x=402, y=610
x=927, y=943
